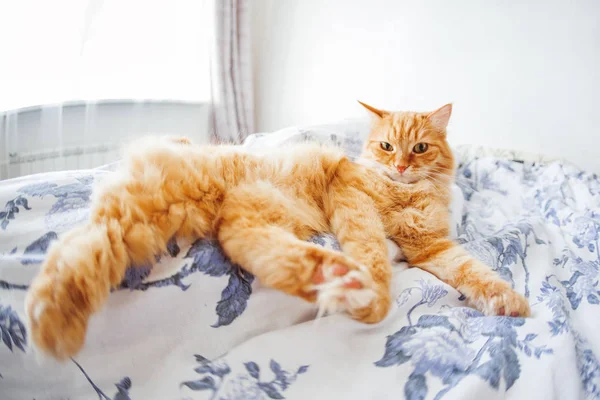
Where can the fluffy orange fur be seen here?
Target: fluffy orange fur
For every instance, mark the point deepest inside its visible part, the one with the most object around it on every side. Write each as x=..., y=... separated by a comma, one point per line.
x=262, y=209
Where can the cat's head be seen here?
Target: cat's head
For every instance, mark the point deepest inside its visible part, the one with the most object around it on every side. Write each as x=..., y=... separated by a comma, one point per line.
x=410, y=146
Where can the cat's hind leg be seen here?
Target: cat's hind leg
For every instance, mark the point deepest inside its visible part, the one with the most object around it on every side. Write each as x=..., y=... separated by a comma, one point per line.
x=259, y=228
x=134, y=214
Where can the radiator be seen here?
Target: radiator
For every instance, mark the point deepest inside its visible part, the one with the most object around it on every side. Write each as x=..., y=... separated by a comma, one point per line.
x=88, y=135
x=68, y=158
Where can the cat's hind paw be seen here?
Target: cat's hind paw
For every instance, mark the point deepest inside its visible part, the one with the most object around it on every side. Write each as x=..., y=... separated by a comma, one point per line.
x=68, y=289
x=340, y=288
x=56, y=325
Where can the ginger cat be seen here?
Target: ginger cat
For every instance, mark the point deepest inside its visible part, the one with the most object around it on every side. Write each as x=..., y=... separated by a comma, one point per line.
x=262, y=209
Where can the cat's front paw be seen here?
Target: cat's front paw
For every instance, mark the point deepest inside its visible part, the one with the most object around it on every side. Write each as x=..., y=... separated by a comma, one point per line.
x=498, y=298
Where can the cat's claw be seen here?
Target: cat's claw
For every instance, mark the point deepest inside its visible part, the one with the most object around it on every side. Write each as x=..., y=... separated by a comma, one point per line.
x=502, y=311
x=500, y=299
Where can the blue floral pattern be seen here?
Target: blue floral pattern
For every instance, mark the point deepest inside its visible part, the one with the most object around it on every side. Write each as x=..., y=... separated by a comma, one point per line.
x=12, y=330
x=12, y=208
x=208, y=258
x=218, y=379
x=72, y=200
x=123, y=386
x=537, y=225
x=442, y=345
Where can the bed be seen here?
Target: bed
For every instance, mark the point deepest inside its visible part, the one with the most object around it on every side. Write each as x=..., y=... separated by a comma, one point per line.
x=197, y=327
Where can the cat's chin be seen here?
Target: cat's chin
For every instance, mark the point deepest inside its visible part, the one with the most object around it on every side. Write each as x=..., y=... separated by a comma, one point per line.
x=404, y=179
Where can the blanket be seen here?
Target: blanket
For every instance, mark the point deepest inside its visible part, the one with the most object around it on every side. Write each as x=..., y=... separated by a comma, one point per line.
x=196, y=326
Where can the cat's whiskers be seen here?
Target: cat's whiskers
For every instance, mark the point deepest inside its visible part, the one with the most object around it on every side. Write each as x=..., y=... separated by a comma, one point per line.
x=437, y=173
x=442, y=173
x=434, y=183
x=439, y=170
x=437, y=183
x=441, y=180
x=454, y=179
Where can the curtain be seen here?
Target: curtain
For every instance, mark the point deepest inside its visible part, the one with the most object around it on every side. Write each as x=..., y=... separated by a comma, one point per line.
x=81, y=77
x=232, y=109
x=95, y=73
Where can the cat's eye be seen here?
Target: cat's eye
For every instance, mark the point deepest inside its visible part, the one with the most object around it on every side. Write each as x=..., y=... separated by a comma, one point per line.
x=386, y=146
x=420, y=148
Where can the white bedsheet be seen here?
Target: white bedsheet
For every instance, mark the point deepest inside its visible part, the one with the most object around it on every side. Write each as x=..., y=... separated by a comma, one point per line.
x=197, y=327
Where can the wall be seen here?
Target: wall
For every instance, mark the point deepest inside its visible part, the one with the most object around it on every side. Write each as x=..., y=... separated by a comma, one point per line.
x=522, y=75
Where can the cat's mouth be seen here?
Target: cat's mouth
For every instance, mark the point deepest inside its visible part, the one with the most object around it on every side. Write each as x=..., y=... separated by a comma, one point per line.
x=390, y=173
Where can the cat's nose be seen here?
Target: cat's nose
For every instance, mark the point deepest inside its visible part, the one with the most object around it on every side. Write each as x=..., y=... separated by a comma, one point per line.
x=401, y=168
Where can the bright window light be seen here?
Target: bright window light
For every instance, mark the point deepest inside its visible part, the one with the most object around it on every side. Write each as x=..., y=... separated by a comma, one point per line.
x=72, y=50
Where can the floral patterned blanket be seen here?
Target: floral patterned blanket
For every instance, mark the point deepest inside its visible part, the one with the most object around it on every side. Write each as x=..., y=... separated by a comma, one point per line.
x=195, y=326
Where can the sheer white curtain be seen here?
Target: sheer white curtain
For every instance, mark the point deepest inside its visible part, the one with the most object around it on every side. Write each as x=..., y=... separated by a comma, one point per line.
x=194, y=51
x=70, y=50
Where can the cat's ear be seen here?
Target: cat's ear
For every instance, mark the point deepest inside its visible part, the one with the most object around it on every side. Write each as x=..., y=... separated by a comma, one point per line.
x=440, y=117
x=373, y=110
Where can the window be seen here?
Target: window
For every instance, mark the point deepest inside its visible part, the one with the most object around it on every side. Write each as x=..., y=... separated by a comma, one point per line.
x=72, y=50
